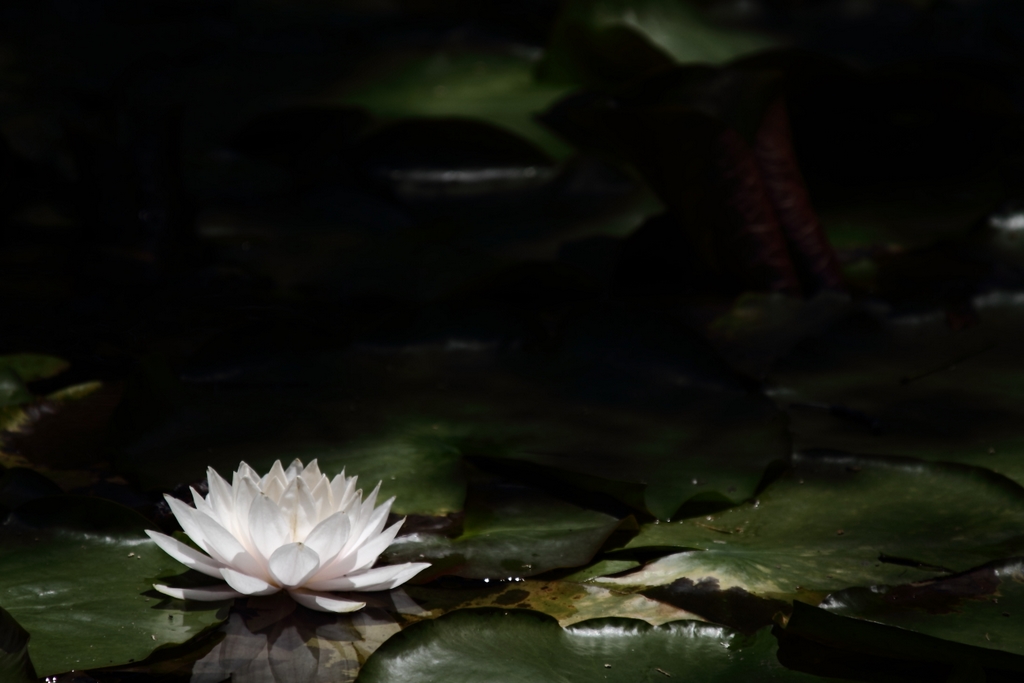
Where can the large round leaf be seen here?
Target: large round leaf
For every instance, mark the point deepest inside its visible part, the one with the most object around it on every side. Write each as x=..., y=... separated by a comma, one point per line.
x=872, y=651
x=77, y=574
x=493, y=87
x=30, y=367
x=516, y=645
x=911, y=386
x=983, y=608
x=510, y=531
x=15, y=666
x=837, y=520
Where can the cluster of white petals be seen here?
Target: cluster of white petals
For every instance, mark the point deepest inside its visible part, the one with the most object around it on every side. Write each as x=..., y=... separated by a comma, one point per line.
x=293, y=530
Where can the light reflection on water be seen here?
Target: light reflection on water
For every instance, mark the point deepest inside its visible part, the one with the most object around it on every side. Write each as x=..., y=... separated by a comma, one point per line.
x=272, y=640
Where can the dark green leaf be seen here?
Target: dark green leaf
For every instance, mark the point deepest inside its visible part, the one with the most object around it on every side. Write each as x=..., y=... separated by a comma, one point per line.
x=983, y=608
x=32, y=366
x=510, y=531
x=516, y=645
x=77, y=573
x=838, y=520
x=15, y=666
x=876, y=383
x=868, y=639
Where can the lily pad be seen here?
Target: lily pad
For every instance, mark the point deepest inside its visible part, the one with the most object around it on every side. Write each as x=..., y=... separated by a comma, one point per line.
x=567, y=601
x=15, y=666
x=898, y=650
x=908, y=385
x=30, y=367
x=510, y=531
x=489, y=86
x=77, y=574
x=517, y=645
x=982, y=608
x=835, y=521
x=678, y=30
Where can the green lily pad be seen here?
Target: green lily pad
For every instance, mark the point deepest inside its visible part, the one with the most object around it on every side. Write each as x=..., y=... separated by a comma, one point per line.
x=835, y=521
x=32, y=366
x=77, y=574
x=15, y=666
x=12, y=390
x=509, y=532
x=677, y=29
x=517, y=645
x=876, y=383
x=493, y=87
x=899, y=651
x=982, y=608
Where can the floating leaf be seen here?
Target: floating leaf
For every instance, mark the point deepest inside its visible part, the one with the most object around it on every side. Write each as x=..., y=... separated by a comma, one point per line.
x=15, y=666
x=643, y=33
x=909, y=385
x=567, y=601
x=77, y=573
x=517, y=645
x=30, y=367
x=835, y=521
x=510, y=531
x=898, y=652
x=982, y=608
x=493, y=87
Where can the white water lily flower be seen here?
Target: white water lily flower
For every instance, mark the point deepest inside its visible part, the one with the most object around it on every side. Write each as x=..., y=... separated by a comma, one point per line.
x=292, y=530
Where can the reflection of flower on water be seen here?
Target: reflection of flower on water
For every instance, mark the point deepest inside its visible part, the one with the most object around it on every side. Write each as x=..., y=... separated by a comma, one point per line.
x=269, y=640
x=293, y=530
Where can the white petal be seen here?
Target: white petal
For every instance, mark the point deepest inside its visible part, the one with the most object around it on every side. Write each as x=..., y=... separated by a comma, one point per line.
x=190, y=557
x=376, y=579
x=249, y=585
x=292, y=564
x=329, y=536
x=274, y=482
x=294, y=470
x=376, y=521
x=208, y=594
x=268, y=526
x=366, y=555
x=200, y=502
x=344, y=491
x=187, y=518
x=221, y=499
x=324, y=602
x=312, y=474
x=245, y=471
x=324, y=500
x=371, y=500
x=305, y=516
x=245, y=492
x=361, y=557
x=224, y=547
